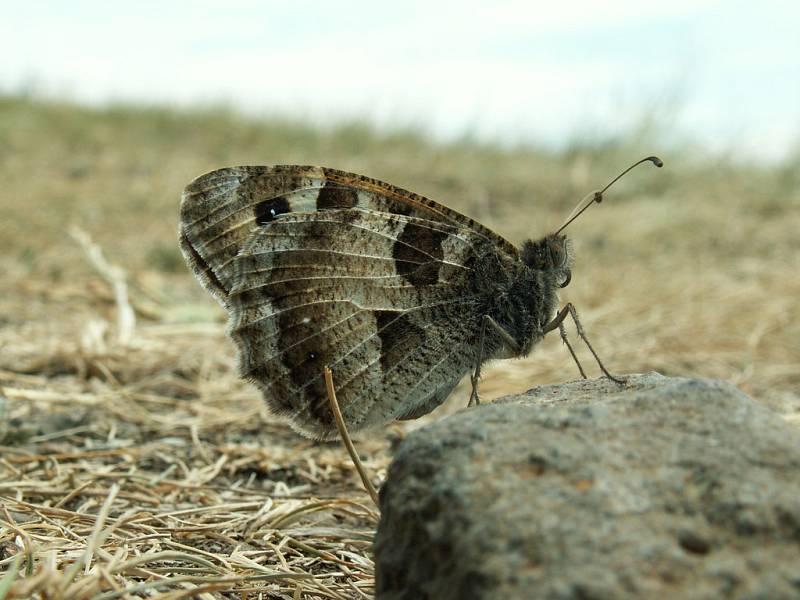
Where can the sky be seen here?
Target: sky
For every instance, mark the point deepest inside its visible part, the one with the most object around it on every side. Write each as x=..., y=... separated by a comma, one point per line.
x=725, y=74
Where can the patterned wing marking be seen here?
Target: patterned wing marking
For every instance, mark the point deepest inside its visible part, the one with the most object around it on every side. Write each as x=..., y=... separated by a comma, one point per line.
x=380, y=330
x=219, y=210
x=381, y=373
x=405, y=245
x=423, y=352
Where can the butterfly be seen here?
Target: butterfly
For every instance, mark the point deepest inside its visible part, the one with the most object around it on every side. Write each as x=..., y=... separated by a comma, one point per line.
x=399, y=295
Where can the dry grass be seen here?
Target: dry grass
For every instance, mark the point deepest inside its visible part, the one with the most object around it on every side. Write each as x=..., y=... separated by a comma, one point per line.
x=201, y=492
x=137, y=465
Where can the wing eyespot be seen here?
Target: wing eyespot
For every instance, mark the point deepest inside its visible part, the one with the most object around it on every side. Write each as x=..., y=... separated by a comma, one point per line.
x=268, y=210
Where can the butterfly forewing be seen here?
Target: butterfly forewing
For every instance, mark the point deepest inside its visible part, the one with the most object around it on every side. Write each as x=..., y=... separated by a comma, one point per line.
x=319, y=267
x=221, y=208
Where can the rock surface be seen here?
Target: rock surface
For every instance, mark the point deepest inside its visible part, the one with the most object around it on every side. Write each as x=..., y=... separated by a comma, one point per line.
x=662, y=488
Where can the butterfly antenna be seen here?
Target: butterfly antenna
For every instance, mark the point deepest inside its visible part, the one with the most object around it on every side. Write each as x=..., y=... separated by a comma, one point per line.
x=597, y=196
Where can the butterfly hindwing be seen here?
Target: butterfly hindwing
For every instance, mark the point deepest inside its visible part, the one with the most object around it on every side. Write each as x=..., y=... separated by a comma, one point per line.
x=328, y=288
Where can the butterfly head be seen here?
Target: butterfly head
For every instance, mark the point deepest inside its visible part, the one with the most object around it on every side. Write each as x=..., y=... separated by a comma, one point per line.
x=552, y=255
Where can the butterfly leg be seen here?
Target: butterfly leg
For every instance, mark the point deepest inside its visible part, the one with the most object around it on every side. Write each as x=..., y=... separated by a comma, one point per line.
x=563, y=333
x=558, y=321
x=488, y=321
x=476, y=375
x=574, y=314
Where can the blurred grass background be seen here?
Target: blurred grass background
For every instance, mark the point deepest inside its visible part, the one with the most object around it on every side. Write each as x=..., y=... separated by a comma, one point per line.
x=689, y=270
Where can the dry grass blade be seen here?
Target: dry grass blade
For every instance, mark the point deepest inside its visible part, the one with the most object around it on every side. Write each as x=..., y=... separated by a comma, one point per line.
x=11, y=574
x=126, y=318
x=348, y=443
x=95, y=540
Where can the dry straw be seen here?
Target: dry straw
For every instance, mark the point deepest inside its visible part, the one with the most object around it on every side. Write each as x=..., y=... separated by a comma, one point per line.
x=138, y=465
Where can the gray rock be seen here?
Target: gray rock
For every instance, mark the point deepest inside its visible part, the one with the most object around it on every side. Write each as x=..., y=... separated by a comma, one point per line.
x=663, y=488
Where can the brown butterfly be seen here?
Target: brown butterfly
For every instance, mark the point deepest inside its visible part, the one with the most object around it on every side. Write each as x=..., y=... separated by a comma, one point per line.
x=399, y=295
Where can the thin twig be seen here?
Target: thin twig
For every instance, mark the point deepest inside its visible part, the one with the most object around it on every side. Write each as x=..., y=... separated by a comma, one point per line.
x=115, y=276
x=348, y=443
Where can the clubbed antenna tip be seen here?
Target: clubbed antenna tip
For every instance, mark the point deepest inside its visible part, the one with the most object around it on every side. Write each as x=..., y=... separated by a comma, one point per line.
x=656, y=161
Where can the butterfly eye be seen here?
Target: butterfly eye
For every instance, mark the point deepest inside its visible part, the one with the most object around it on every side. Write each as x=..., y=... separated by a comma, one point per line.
x=567, y=280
